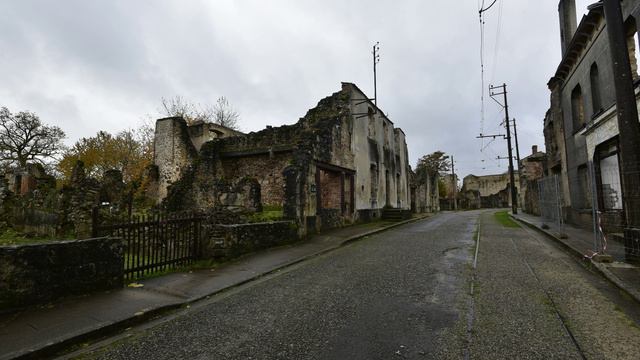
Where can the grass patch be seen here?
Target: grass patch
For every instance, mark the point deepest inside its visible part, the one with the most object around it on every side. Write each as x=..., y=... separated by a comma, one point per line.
x=266, y=216
x=503, y=218
x=12, y=237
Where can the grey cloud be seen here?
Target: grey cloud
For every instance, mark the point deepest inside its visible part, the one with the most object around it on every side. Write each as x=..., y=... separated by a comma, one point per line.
x=88, y=66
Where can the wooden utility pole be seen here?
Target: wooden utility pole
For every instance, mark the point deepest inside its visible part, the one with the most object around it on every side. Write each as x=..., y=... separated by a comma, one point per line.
x=515, y=134
x=454, y=184
x=514, y=194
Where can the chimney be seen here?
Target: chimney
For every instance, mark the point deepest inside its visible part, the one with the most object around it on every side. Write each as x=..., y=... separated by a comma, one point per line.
x=568, y=22
x=534, y=149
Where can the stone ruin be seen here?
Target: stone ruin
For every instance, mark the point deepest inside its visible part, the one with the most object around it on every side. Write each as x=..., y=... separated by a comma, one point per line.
x=342, y=162
x=34, y=206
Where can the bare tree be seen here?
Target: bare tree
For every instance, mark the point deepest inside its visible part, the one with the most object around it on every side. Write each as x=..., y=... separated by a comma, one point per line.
x=225, y=114
x=23, y=138
x=221, y=113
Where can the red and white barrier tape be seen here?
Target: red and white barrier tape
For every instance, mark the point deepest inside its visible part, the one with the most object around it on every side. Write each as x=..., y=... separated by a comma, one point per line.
x=604, y=238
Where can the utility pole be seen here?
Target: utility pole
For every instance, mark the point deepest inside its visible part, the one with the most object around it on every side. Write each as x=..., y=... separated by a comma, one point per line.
x=629, y=128
x=376, y=60
x=455, y=185
x=515, y=134
x=514, y=195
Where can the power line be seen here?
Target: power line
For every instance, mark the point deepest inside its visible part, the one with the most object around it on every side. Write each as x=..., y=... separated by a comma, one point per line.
x=481, y=11
x=497, y=42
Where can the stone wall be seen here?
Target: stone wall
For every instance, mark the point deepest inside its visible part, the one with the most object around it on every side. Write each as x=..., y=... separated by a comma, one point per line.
x=489, y=185
x=532, y=168
x=31, y=274
x=241, y=239
x=265, y=168
x=425, y=196
x=173, y=152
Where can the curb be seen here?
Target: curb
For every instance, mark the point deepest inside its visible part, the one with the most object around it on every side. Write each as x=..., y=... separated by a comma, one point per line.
x=600, y=268
x=58, y=348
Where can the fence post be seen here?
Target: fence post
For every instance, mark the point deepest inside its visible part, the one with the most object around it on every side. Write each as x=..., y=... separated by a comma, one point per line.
x=95, y=221
x=594, y=207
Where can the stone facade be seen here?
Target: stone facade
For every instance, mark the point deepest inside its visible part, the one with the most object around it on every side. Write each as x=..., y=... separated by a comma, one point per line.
x=342, y=162
x=489, y=191
x=31, y=274
x=425, y=197
x=532, y=169
x=581, y=118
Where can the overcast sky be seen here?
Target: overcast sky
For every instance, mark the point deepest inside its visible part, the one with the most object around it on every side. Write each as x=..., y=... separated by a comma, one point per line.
x=104, y=65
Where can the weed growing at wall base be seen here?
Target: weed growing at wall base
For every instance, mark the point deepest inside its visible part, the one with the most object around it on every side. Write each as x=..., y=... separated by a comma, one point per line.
x=503, y=218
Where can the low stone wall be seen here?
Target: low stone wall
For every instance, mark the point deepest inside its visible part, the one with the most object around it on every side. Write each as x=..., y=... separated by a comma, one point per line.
x=245, y=238
x=330, y=219
x=31, y=274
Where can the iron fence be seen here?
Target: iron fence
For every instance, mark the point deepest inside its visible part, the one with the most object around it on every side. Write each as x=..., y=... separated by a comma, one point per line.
x=154, y=243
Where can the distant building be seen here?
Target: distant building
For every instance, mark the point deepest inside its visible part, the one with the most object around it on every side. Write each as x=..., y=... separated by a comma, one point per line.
x=532, y=169
x=449, y=183
x=488, y=191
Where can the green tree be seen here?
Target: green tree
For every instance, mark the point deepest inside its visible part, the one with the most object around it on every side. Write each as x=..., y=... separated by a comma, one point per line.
x=432, y=164
x=24, y=138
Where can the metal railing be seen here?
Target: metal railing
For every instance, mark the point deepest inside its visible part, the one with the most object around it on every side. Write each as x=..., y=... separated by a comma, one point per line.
x=155, y=243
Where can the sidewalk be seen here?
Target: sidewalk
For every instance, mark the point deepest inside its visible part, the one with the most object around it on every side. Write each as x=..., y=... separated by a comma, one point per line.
x=41, y=332
x=580, y=242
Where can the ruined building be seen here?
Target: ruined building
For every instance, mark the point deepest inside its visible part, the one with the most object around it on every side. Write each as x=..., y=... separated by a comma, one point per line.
x=532, y=169
x=488, y=191
x=425, y=193
x=344, y=161
x=580, y=128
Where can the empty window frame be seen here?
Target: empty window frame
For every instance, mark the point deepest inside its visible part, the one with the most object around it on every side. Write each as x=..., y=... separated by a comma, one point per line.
x=577, y=108
x=596, y=99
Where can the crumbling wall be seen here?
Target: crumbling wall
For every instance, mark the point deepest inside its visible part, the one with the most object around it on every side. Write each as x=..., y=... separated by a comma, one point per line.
x=173, y=152
x=265, y=168
x=202, y=132
x=488, y=185
x=284, y=162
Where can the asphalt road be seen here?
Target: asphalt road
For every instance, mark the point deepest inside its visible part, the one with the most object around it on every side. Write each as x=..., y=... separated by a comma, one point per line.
x=411, y=292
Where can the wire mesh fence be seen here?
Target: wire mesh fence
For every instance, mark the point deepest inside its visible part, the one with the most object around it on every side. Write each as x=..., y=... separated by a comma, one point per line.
x=619, y=201
x=551, y=200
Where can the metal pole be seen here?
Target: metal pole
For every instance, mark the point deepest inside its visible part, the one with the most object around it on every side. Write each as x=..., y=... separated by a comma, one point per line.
x=376, y=57
x=627, y=112
x=514, y=196
x=594, y=207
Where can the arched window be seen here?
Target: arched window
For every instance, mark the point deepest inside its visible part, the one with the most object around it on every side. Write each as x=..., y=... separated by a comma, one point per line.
x=577, y=108
x=595, y=89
